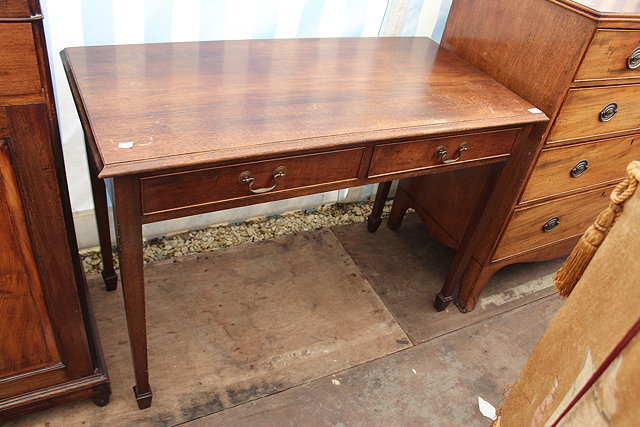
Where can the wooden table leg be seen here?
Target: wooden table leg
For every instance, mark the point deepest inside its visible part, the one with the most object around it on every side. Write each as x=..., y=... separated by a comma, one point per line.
x=469, y=242
x=499, y=197
x=102, y=219
x=375, y=219
x=129, y=229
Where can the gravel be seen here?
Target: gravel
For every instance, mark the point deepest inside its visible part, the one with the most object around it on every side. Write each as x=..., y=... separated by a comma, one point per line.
x=220, y=236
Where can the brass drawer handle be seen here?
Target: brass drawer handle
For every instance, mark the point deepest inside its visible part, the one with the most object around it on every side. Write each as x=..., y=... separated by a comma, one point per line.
x=608, y=112
x=246, y=177
x=442, y=153
x=633, y=61
x=551, y=224
x=579, y=168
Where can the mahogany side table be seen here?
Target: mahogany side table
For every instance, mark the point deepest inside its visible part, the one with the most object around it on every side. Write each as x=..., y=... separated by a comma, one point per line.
x=188, y=128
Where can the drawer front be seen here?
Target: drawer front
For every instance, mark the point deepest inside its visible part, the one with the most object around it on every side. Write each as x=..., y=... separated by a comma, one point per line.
x=14, y=9
x=585, y=112
x=612, y=54
x=565, y=169
x=533, y=227
x=19, y=73
x=207, y=186
x=417, y=155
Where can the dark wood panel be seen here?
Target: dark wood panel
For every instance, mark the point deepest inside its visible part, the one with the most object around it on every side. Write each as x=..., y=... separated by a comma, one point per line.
x=19, y=67
x=514, y=41
x=35, y=170
x=4, y=126
x=417, y=155
x=608, y=54
x=208, y=102
x=606, y=161
x=185, y=189
x=438, y=195
x=575, y=213
x=29, y=342
x=14, y=9
x=29, y=124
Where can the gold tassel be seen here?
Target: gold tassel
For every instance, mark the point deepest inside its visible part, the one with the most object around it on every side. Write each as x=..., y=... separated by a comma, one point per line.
x=571, y=271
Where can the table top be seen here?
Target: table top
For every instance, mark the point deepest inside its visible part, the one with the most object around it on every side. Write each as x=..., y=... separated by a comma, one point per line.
x=164, y=106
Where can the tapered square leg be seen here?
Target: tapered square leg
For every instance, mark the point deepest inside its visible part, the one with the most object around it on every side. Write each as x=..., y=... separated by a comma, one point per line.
x=129, y=231
x=375, y=219
x=102, y=219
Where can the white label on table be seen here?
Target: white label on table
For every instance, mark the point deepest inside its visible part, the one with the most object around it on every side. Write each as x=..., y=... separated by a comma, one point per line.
x=534, y=111
x=127, y=144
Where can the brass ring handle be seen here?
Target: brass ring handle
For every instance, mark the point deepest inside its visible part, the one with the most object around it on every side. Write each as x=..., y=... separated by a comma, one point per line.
x=579, y=168
x=246, y=177
x=633, y=61
x=551, y=224
x=608, y=112
x=441, y=152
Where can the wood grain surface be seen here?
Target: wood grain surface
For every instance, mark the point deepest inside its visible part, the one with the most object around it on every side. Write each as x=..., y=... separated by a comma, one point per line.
x=607, y=55
x=29, y=342
x=579, y=117
x=606, y=160
x=576, y=214
x=19, y=70
x=4, y=125
x=33, y=163
x=193, y=103
x=418, y=155
x=186, y=189
x=14, y=8
x=513, y=43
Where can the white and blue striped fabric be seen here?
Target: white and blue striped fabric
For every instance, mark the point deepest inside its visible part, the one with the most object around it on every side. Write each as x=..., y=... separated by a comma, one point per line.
x=100, y=22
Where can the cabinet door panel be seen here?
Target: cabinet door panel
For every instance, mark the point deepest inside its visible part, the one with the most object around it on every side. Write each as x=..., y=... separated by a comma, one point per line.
x=32, y=163
x=28, y=342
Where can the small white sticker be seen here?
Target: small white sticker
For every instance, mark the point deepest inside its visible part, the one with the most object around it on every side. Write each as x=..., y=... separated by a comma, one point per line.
x=128, y=144
x=534, y=110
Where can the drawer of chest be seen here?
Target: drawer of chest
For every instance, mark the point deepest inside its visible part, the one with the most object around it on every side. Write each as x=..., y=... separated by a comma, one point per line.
x=14, y=9
x=612, y=54
x=407, y=156
x=563, y=169
x=537, y=226
x=187, y=189
x=597, y=111
x=19, y=72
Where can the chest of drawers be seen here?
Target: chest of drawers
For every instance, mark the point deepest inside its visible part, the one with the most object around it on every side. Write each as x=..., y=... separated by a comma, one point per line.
x=579, y=62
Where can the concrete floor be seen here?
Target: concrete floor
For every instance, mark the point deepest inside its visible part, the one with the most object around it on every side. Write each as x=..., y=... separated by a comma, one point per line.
x=332, y=327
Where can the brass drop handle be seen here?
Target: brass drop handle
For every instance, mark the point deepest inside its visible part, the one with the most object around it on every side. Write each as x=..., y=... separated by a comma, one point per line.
x=551, y=224
x=441, y=152
x=608, y=112
x=246, y=177
x=633, y=61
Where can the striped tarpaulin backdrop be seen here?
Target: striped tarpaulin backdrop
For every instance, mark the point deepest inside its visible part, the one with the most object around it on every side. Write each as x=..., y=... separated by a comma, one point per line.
x=99, y=22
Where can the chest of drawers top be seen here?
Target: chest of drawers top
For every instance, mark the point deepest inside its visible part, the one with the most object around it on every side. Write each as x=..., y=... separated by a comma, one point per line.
x=548, y=46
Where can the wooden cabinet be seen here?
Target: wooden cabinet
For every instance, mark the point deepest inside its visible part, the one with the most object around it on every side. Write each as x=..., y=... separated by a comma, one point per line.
x=49, y=350
x=579, y=62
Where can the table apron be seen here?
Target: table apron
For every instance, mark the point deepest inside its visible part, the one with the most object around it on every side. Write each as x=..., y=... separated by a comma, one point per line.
x=171, y=195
